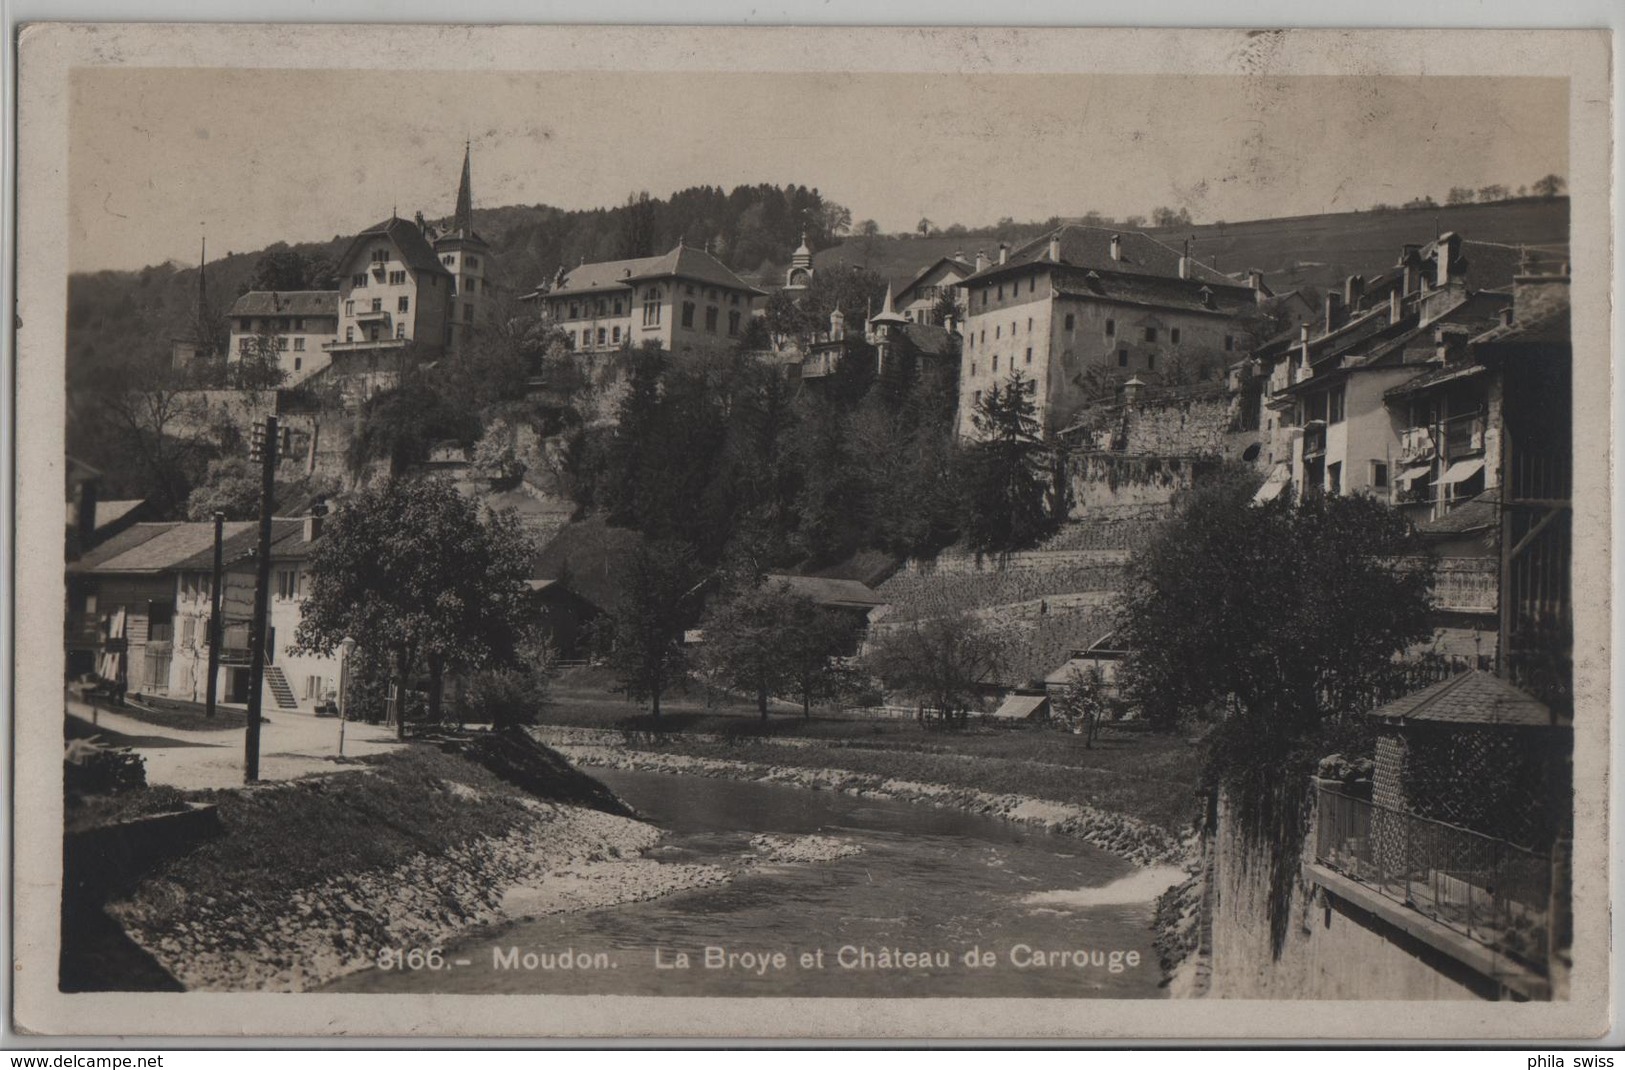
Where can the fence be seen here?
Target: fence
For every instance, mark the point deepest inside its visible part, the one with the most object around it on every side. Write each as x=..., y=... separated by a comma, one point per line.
x=1486, y=889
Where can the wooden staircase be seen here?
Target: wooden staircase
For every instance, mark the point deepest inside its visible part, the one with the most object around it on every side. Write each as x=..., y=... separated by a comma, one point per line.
x=280, y=690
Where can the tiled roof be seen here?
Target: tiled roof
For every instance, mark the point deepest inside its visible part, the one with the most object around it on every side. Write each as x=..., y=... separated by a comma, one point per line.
x=966, y=270
x=414, y=247
x=1475, y=514
x=1152, y=292
x=1553, y=328
x=697, y=264
x=164, y=547
x=929, y=340
x=287, y=303
x=1090, y=247
x=829, y=592
x=1472, y=697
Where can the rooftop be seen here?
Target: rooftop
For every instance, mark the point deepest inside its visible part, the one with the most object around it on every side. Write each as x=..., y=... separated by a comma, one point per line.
x=414, y=248
x=287, y=303
x=1472, y=697
x=849, y=594
x=1091, y=247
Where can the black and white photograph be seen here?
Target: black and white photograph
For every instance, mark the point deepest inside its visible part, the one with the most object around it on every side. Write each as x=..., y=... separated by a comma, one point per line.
x=835, y=524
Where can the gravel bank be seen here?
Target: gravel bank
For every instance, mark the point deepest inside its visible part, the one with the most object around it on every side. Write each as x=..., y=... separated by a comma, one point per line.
x=1141, y=843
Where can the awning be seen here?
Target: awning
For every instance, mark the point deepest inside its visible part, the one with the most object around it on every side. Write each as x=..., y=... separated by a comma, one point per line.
x=1279, y=479
x=1462, y=471
x=1021, y=707
x=1415, y=472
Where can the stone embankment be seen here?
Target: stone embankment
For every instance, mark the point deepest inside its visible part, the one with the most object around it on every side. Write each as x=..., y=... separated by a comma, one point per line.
x=1141, y=843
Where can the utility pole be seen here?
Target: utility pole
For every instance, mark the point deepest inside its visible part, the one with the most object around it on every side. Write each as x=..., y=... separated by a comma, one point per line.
x=263, y=449
x=215, y=629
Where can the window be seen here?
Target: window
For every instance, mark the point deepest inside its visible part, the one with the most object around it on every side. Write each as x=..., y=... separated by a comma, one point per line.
x=1029, y=354
x=984, y=298
x=452, y=282
x=403, y=305
x=1122, y=358
x=688, y=313
x=1229, y=343
x=733, y=299
x=998, y=332
x=651, y=307
x=1111, y=328
x=473, y=261
x=287, y=584
x=733, y=323
x=995, y=365
x=1150, y=334
x=618, y=311
x=372, y=333
x=447, y=259
x=984, y=336
x=299, y=345
x=1029, y=325
x=188, y=630
x=380, y=256
x=1150, y=362
x=298, y=324
x=397, y=278
x=298, y=362
x=1334, y=478
x=1173, y=336
x=377, y=304
x=1334, y=404
x=1379, y=474
x=468, y=315
x=1001, y=293
x=973, y=367
x=570, y=336
x=615, y=336
x=400, y=330
x=575, y=311
x=282, y=343
x=602, y=335
x=1032, y=284
x=976, y=398
x=359, y=279
x=711, y=318
x=349, y=334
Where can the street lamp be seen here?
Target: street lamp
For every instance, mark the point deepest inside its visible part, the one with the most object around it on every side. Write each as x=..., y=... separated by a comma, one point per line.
x=346, y=647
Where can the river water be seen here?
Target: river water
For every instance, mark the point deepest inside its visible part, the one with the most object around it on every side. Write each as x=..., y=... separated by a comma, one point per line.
x=935, y=902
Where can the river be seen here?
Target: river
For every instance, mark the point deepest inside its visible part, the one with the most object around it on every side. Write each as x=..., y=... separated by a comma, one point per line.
x=935, y=902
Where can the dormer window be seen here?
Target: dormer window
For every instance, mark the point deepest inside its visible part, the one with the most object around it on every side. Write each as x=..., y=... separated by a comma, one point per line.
x=1207, y=297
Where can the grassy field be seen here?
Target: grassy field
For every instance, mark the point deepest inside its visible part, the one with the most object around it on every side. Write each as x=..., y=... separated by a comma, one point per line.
x=1139, y=774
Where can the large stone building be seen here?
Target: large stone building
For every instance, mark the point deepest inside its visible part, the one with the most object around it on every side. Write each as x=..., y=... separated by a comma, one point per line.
x=1082, y=309
x=686, y=299
x=300, y=325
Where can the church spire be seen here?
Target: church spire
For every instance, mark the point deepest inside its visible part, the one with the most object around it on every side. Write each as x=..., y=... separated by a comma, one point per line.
x=463, y=222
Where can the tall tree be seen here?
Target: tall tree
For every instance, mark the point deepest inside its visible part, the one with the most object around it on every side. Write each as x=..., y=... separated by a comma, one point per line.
x=658, y=588
x=1008, y=476
x=410, y=569
x=1279, y=622
x=1549, y=186
x=751, y=639
x=940, y=665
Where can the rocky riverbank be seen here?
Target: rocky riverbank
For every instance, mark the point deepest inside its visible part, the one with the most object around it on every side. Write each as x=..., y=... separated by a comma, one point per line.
x=1138, y=841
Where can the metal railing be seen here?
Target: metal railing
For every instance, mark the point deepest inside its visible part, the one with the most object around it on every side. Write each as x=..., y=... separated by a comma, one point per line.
x=1493, y=892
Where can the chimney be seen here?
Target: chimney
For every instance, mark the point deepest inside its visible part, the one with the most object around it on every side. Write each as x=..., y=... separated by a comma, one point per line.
x=1409, y=259
x=1055, y=248
x=981, y=261
x=1396, y=306
x=313, y=527
x=1506, y=316
x=1334, y=311
x=85, y=513
x=1446, y=257
x=1353, y=292
x=948, y=323
x=1004, y=252
x=1131, y=390
x=959, y=255
x=1117, y=247
x=1255, y=279
x=1185, y=260
x=837, y=325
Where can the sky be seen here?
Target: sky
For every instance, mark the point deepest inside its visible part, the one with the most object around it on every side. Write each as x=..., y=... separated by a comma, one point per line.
x=161, y=157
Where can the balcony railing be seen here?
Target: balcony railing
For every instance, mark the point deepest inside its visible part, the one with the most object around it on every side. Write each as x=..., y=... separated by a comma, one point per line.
x=1488, y=890
x=1416, y=444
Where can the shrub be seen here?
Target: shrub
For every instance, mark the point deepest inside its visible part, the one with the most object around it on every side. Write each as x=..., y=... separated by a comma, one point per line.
x=90, y=768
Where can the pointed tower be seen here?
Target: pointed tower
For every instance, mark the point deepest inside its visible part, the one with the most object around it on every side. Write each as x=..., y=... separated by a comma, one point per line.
x=884, y=326
x=466, y=255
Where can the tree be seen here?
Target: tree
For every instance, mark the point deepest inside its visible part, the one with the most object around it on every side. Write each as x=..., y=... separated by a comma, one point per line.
x=1168, y=217
x=258, y=365
x=751, y=636
x=1492, y=193
x=409, y=567
x=869, y=229
x=1459, y=195
x=1082, y=703
x=162, y=427
x=1279, y=622
x=924, y=227
x=1549, y=186
x=834, y=221
x=284, y=269
x=231, y=486
x=1134, y=222
x=940, y=665
x=1007, y=474
x=645, y=627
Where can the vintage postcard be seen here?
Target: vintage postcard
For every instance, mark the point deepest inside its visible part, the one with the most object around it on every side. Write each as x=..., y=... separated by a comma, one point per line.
x=812, y=533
